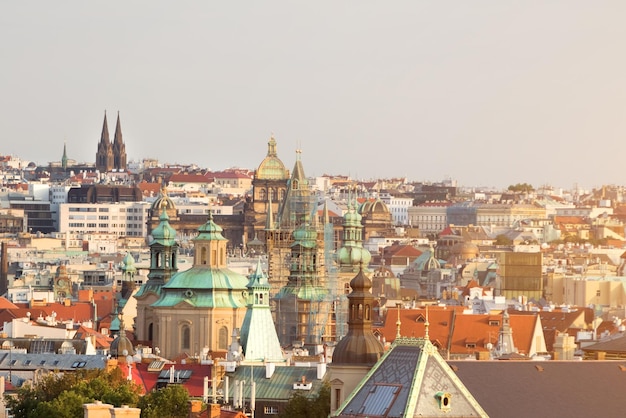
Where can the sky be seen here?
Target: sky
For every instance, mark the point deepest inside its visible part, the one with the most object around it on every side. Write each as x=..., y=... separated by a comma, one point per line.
x=487, y=93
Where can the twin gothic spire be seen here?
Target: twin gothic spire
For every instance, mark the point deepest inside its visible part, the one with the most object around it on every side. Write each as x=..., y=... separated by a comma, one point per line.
x=111, y=155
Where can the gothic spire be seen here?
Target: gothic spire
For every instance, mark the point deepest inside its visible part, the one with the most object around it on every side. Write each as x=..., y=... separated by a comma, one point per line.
x=104, y=137
x=118, y=131
x=64, y=158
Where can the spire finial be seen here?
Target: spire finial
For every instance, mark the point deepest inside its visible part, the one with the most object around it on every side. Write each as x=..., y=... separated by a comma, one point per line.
x=426, y=325
x=398, y=323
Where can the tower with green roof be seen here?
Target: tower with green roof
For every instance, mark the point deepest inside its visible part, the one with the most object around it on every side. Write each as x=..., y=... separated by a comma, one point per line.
x=163, y=264
x=298, y=208
x=303, y=309
x=200, y=307
x=258, y=332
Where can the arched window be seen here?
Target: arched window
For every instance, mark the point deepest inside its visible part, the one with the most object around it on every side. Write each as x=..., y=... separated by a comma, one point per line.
x=262, y=194
x=203, y=255
x=223, y=338
x=185, y=337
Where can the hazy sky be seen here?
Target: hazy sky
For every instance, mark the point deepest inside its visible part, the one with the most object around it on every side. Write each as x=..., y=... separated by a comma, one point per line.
x=489, y=93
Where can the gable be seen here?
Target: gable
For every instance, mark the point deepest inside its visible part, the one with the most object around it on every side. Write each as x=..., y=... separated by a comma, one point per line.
x=411, y=379
x=439, y=380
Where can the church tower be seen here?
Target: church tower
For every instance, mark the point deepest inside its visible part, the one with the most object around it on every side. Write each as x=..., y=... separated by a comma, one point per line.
x=200, y=308
x=303, y=310
x=297, y=209
x=359, y=350
x=119, y=148
x=258, y=332
x=64, y=157
x=104, y=156
x=163, y=264
x=269, y=187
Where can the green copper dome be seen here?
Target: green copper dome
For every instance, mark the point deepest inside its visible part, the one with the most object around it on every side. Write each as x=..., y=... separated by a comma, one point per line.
x=272, y=168
x=164, y=234
x=210, y=231
x=305, y=236
x=354, y=256
x=129, y=263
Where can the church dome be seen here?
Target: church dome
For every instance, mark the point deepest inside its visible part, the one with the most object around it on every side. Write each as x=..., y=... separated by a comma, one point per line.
x=360, y=346
x=354, y=256
x=373, y=207
x=210, y=231
x=358, y=349
x=305, y=236
x=121, y=346
x=272, y=168
x=465, y=250
x=163, y=201
x=128, y=263
x=164, y=233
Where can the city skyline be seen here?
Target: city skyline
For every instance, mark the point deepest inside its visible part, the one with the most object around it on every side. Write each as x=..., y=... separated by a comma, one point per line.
x=486, y=93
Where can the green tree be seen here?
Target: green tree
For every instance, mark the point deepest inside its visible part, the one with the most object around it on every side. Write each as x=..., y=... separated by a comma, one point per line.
x=171, y=401
x=62, y=395
x=521, y=188
x=300, y=405
x=503, y=240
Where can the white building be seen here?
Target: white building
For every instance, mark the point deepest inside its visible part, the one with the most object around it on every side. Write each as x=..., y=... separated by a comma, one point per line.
x=124, y=219
x=429, y=218
x=398, y=206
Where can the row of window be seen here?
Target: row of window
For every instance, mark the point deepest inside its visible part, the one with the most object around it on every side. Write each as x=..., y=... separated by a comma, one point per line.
x=104, y=225
x=93, y=209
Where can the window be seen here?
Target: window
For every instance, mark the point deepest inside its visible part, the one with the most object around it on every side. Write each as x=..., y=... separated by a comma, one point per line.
x=223, y=339
x=270, y=410
x=185, y=337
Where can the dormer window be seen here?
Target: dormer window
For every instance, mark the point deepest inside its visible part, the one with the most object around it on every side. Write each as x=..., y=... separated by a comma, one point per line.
x=443, y=399
x=494, y=323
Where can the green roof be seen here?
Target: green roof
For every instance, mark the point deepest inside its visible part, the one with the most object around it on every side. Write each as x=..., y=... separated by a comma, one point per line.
x=279, y=387
x=204, y=278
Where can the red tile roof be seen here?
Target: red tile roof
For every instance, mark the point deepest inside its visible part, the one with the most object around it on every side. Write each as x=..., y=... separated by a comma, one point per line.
x=194, y=385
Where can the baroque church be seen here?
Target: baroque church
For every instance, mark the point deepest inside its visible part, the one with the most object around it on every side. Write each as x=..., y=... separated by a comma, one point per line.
x=185, y=312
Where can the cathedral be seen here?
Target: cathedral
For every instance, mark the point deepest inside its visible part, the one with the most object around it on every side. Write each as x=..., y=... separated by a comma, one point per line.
x=111, y=155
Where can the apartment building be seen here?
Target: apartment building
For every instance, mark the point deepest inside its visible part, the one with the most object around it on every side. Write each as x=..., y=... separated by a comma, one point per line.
x=429, y=218
x=398, y=206
x=123, y=219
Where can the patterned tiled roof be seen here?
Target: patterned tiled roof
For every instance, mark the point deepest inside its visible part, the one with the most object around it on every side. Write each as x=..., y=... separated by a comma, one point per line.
x=411, y=379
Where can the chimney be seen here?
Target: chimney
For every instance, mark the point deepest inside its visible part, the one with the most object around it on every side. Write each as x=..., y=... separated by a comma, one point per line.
x=4, y=269
x=269, y=370
x=321, y=370
x=215, y=411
